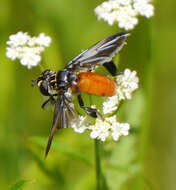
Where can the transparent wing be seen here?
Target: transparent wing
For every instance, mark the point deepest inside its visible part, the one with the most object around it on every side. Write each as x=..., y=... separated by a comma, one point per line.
x=99, y=53
x=64, y=113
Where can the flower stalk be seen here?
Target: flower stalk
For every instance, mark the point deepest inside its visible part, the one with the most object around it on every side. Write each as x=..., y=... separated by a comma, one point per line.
x=98, y=165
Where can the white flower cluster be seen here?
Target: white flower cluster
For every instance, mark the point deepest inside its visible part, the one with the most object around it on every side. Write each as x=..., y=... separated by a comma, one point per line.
x=26, y=48
x=127, y=82
x=124, y=12
x=102, y=129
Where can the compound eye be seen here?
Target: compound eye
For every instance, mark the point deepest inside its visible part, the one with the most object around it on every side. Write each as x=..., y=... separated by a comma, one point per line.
x=44, y=88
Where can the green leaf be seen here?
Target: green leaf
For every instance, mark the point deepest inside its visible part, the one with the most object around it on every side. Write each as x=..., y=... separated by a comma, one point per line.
x=20, y=184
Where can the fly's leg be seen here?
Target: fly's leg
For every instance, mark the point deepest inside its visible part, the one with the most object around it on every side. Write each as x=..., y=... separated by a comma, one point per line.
x=50, y=99
x=45, y=103
x=90, y=111
x=111, y=67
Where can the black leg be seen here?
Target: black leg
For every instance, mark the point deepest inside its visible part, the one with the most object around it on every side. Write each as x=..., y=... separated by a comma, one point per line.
x=90, y=111
x=111, y=67
x=45, y=103
x=51, y=99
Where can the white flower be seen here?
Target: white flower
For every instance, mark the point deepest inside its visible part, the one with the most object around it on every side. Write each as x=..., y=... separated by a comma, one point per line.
x=122, y=2
x=110, y=105
x=119, y=129
x=126, y=17
x=80, y=125
x=127, y=83
x=124, y=12
x=26, y=48
x=143, y=8
x=110, y=126
x=18, y=39
x=43, y=40
x=12, y=53
x=100, y=130
x=30, y=59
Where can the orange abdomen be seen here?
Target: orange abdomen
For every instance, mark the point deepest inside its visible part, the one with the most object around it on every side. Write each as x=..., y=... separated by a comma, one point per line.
x=96, y=84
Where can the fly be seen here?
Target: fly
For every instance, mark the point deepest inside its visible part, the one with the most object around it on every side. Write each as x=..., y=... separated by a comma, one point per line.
x=78, y=77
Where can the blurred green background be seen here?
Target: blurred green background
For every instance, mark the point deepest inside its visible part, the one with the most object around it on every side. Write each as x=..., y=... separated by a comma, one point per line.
x=143, y=160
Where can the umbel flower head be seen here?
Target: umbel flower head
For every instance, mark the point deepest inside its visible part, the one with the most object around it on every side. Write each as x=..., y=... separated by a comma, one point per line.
x=26, y=48
x=127, y=83
x=125, y=12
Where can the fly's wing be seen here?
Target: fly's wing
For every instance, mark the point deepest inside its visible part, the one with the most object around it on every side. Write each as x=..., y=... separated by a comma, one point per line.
x=64, y=113
x=101, y=52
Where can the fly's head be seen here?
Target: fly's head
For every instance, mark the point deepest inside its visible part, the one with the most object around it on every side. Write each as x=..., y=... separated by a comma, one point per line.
x=46, y=82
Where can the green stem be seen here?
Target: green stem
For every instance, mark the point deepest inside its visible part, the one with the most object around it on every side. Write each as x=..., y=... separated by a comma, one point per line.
x=97, y=164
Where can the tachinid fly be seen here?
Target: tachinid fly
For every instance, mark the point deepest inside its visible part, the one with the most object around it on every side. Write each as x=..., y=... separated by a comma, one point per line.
x=77, y=76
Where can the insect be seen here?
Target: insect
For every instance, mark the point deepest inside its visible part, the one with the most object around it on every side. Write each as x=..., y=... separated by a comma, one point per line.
x=77, y=76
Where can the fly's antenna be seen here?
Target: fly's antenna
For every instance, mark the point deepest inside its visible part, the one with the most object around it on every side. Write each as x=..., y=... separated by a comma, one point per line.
x=34, y=83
